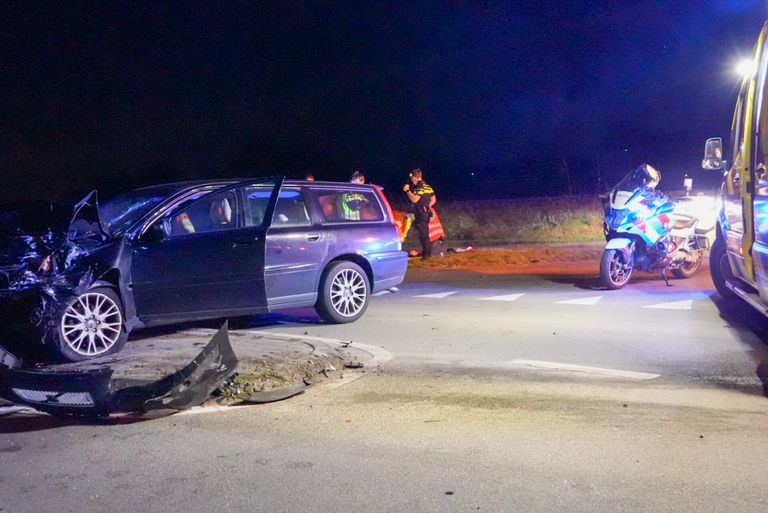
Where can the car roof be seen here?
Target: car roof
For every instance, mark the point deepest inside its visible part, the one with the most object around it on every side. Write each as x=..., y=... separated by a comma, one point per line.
x=189, y=184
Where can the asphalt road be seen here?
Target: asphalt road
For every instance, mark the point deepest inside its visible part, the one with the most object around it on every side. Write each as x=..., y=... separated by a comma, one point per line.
x=504, y=393
x=684, y=332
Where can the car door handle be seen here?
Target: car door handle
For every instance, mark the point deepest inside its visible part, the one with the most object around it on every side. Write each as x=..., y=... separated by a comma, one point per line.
x=244, y=241
x=313, y=237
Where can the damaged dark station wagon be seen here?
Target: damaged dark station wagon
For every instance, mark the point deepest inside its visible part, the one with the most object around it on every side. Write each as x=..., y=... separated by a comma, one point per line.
x=205, y=250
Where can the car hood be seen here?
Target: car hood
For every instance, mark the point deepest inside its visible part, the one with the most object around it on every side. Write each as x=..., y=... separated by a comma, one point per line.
x=25, y=249
x=86, y=223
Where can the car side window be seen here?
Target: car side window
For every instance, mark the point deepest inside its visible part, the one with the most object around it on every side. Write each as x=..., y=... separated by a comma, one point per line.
x=291, y=209
x=339, y=206
x=217, y=212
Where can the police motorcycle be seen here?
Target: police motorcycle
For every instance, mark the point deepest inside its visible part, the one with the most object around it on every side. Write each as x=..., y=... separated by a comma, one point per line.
x=645, y=231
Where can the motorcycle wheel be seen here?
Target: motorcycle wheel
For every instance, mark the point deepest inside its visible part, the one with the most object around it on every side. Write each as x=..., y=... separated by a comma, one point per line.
x=688, y=269
x=615, y=268
x=720, y=269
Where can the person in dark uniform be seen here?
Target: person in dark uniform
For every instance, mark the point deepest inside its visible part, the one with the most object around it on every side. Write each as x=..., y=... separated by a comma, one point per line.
x=422, y=198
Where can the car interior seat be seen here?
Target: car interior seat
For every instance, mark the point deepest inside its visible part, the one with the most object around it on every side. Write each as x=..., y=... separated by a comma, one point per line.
x=221, y=212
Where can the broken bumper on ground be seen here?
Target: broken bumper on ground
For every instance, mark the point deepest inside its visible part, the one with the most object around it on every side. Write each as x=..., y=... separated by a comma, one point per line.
x=94, y=393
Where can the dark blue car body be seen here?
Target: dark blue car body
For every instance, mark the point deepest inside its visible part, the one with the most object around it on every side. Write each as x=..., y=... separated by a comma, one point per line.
x=224, y=248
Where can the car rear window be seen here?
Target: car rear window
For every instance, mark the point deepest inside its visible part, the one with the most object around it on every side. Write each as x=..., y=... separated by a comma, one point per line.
x=352, y=205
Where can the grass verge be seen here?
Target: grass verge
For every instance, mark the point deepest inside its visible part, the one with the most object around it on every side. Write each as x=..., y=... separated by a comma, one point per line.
x=548, y=219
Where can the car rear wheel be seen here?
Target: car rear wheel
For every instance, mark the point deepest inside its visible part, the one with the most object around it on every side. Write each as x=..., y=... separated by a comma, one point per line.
x=344, y=293
x=91, y=325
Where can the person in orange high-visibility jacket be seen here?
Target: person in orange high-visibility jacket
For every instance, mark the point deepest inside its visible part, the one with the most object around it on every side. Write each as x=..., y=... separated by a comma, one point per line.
x=403, y=223
x=436, y=231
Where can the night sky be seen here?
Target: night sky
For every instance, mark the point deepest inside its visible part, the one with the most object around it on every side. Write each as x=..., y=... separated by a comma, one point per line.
x=116, y=96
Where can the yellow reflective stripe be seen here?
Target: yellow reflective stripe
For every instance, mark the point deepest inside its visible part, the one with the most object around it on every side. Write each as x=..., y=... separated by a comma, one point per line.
x=746, y=177
x=425, y=189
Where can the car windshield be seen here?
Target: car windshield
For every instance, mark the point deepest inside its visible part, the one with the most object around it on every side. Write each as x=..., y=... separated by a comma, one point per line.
x=121, y=212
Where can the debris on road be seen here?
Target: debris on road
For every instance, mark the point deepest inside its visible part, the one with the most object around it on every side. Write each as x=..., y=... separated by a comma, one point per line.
x=156, y=375
x=93, y=392
x=270, y=396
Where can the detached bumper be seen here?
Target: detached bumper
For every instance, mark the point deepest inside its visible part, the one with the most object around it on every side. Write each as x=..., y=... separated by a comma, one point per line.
x=91, y=391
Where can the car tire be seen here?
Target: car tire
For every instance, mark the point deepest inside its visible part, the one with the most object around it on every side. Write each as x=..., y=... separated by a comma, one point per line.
x=344, y=292
x=90, y=325
x=720, y=269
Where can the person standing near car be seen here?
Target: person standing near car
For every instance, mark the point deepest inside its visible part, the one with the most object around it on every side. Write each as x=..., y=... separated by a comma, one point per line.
x=422, y=198
x=352, y=202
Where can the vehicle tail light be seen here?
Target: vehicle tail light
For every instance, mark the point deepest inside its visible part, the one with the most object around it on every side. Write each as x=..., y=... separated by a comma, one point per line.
x=386, y=203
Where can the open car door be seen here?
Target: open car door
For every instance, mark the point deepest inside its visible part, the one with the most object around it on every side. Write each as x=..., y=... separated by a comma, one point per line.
x=204, y=258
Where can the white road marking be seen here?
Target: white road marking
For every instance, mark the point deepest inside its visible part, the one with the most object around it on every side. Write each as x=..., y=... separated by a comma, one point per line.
x=197, y=410
x=382, y=293
x=590, y=301
x=15, y=408
x=675, y=305
x=585, y=369
x=506, y=297
x=439, y=295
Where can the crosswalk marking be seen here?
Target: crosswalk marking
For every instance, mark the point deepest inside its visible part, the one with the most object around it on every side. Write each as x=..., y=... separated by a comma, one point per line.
x=506, y=297
x=439, y=295
x=589, y=301
x=674, y=305
x=686, y=304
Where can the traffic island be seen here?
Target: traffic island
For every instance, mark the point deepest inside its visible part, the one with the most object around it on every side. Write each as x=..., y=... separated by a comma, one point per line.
x=175, y=371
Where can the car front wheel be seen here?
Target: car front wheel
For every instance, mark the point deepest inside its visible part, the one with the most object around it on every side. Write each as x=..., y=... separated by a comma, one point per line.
x=90, y=325
x=720, y=269
x=344, y=292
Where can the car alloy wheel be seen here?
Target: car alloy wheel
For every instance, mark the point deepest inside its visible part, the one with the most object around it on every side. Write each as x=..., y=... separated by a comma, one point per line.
x=348, y=292
x=92, y=324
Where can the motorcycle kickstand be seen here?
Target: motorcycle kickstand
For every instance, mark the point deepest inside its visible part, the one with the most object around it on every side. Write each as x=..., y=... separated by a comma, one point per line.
x=664, y=275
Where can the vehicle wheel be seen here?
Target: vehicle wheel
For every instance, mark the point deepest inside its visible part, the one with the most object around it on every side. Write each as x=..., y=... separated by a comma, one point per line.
x=615, y=268
x=90, y=325
x=344, y=292
x=687, y=269
x=720, y=268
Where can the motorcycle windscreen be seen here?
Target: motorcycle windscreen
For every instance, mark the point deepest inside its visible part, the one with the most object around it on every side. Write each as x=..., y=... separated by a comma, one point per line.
x=205, y=259
x=644, y=177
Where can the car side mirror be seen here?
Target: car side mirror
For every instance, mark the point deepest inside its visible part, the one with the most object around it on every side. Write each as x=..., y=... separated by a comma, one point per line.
x=713, y=155
x=154, y=233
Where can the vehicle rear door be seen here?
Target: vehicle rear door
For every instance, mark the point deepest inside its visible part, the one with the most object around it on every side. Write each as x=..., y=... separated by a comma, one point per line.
x=296, y=246
x=204, y=259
